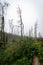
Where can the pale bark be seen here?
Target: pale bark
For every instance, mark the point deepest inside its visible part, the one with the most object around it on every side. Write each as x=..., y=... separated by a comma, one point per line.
x=36, y=60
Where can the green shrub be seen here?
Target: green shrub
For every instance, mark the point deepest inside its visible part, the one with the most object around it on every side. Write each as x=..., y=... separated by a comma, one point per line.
x=21, y=53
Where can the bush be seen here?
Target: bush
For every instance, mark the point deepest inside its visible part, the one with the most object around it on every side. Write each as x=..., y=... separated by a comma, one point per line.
x=21, y=53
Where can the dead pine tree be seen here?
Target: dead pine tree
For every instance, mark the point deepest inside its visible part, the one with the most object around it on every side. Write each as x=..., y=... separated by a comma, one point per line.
x=35, y=30
x=3, y=6
x=11, y=29
x=39, y=35
x=31, y=32
x=21, y=23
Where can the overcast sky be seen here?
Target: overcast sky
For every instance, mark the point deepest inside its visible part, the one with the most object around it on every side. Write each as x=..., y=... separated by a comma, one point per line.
x=32, y=11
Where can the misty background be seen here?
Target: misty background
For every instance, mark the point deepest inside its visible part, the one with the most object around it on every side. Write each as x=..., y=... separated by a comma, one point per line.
x=32, y=11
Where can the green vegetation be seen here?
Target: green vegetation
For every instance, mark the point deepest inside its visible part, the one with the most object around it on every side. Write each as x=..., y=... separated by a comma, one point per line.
x=21, y=52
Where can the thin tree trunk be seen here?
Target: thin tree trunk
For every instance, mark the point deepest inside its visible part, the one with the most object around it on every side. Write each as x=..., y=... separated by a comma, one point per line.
x=36, y=60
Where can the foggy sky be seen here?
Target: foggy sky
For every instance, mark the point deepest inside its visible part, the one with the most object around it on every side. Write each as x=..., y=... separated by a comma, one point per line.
x=38, y=6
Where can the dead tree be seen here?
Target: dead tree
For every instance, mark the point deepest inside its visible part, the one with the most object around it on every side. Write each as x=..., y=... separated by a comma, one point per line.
x=21, y=23
x=35, y=60
x=31, y=32
x=11, y=28
x=39, y=35
x=3, y=22
x=35, y=30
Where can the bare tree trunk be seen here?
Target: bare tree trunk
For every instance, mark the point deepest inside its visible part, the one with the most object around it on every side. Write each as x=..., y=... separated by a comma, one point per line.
x=35, y=30
x=21, y=23
x=36, y=60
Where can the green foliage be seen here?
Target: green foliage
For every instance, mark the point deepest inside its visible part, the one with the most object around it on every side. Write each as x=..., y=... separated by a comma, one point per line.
x=21, y=53
x=23, y=61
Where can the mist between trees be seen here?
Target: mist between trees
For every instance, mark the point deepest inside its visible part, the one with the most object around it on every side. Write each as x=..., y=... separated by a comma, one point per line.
x=15, y=29
x=17, y=48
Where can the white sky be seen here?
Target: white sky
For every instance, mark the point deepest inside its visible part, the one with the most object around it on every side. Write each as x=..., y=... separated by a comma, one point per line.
x=32, y=11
